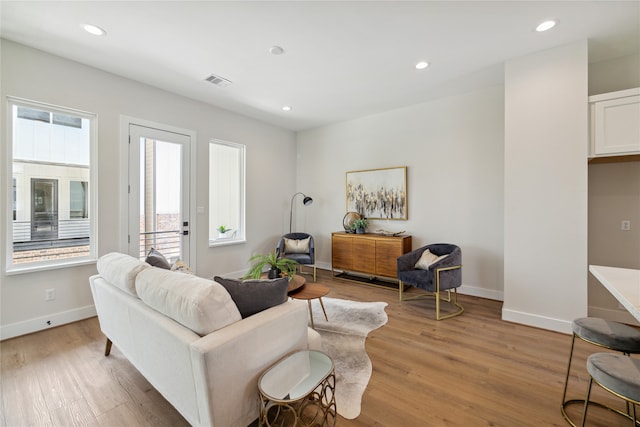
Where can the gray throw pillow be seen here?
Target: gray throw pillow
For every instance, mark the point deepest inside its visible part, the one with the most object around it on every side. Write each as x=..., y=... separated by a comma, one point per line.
x=156, y=259
x=253, y=296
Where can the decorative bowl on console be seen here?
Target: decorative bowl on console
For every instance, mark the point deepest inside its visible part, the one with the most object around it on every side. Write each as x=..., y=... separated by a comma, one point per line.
x=349, y=219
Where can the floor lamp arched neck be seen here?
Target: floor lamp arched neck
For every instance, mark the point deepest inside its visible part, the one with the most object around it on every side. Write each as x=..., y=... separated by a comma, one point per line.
x=306, y=201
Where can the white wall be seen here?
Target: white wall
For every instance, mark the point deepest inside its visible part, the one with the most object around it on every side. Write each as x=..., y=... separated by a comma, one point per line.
x=452, y=148
x=614, y=74
x=35, y=75
x=545, y=217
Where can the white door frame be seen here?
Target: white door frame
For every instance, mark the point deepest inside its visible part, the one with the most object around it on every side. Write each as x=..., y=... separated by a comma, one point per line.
x=125, y=122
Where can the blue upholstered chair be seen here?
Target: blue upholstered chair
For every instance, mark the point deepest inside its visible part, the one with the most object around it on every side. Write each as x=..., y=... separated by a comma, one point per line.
x=298, y=247
x=442, y=274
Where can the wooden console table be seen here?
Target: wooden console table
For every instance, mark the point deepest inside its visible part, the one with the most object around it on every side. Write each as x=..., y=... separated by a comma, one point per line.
x=373, y=255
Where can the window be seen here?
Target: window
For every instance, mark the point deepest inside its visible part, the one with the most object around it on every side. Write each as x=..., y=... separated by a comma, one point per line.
x=78, y=200
x=51, y=159
x=226, y=192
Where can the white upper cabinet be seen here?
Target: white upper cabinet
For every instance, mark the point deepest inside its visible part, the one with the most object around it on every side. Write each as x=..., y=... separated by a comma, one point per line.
x=615, y=123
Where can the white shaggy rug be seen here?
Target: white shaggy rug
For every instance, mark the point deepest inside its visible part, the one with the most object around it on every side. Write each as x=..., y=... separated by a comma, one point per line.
x=343, y=338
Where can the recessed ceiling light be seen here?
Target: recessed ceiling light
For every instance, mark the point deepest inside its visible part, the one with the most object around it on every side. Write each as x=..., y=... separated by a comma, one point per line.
x=276, y=50
x=546, y=25
x=95, y=30
x=286, y=108
x=422, y=65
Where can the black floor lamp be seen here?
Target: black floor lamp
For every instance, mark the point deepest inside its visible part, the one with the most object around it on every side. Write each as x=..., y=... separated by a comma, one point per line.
x=306, y=201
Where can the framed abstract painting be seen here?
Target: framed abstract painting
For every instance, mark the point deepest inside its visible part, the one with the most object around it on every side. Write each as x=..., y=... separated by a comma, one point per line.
x=378, y=193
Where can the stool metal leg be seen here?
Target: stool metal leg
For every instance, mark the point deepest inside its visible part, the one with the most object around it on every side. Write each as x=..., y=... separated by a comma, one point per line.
x=586, y=402
x=566, y=383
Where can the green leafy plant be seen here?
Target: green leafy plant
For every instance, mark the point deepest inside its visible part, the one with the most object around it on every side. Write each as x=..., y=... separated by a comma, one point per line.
x=361, y=223
x=223, y=229
x=286, y=265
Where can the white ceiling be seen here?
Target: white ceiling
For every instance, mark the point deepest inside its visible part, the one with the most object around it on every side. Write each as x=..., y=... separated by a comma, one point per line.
x=343, y=59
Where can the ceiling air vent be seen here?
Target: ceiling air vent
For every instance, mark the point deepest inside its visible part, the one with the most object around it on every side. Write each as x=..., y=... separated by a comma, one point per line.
x=218, y=81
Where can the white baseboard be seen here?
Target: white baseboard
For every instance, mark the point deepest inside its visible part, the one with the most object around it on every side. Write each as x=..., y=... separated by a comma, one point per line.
x=481, y=292
x=46, y=322
x=537, y=321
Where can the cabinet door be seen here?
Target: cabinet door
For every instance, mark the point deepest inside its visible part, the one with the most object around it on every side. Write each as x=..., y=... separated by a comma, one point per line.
x=364, y=250
x=617, y=126
x=387, y=253
x=341, y=252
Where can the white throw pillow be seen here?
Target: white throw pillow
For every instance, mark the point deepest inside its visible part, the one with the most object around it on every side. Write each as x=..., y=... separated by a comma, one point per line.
x=296, y=246
x=121, y=270
x=427, y=259
x=199, y=304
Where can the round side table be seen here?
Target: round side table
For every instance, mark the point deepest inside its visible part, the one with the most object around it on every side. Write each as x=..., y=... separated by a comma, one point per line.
x=311, y=291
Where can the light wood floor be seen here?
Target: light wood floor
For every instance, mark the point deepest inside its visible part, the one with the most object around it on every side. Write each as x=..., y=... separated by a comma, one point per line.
x=472, y=370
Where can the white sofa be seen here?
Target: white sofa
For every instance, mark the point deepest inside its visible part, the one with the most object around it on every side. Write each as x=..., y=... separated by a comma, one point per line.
x=193, y=346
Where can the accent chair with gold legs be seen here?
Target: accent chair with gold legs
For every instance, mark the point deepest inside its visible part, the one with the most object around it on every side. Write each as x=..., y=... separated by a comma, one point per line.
x=620, y=376
x=604, y=334
x=298, y=247
x=434, y=268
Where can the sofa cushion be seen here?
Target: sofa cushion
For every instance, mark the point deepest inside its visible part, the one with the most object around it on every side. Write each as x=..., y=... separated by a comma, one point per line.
x=121, y=270
x=199, y=304
x=253, y=296
x=156, y=259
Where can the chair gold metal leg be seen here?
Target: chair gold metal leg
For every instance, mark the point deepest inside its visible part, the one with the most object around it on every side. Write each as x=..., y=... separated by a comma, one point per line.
x=323, y=310
x=400, y=288
x=314, y=274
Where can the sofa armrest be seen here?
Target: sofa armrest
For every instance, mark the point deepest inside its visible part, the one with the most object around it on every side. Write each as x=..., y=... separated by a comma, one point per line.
x=227, y=363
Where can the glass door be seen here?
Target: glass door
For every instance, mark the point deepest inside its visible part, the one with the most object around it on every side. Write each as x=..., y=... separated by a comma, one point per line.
x=158, y=193
x=44, y=209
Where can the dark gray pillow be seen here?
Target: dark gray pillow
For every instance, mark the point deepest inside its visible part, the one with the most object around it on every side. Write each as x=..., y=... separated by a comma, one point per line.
x=253, y=296
x=156, y=259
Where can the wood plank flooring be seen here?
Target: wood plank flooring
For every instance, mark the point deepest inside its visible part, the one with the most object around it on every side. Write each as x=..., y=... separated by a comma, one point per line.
x=471, y=370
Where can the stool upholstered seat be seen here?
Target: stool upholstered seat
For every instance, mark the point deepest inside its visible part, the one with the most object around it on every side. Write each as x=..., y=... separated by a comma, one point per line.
x=602, y=333
x=617, y=374
x=605, y=333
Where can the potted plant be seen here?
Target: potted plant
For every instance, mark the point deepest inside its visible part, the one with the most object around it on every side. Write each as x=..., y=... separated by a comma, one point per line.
x=359, y=225
x=222, y=231
x=276, y=266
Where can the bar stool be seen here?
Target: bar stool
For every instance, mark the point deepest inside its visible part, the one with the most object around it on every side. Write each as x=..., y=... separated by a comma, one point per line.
x=602, y=333
x=619, y=375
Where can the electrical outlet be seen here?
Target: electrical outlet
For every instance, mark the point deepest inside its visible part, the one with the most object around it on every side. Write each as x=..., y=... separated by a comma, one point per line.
x=625, y=225
x=49, y=294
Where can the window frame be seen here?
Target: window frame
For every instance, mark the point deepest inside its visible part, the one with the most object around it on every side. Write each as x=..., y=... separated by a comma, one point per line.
x=242, y=237
x=9, y=267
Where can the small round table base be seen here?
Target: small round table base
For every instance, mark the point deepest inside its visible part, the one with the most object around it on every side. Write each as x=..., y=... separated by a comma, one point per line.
x=316, y=409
